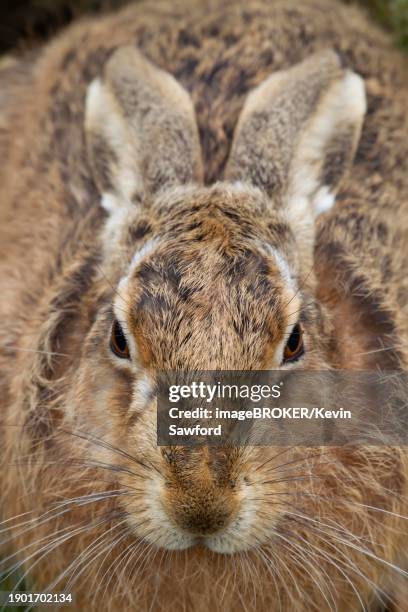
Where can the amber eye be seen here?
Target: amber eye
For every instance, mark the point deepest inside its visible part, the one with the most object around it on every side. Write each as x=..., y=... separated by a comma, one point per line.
x=118, y=343
x=294, y=348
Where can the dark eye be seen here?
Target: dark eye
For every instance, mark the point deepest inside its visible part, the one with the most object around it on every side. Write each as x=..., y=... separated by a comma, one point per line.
x=118, y=343
x=294, y=348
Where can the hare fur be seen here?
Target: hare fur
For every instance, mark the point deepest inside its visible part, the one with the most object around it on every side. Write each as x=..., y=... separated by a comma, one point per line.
x=166, y=168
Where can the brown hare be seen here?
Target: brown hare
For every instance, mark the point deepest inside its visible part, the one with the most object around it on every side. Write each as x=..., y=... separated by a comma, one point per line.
x=200, y=185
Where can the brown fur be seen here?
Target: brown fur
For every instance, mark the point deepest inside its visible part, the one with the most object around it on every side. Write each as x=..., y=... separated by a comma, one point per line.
x=205, y=297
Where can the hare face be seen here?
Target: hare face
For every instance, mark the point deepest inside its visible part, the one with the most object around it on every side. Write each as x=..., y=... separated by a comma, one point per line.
x=208, y=278
x=216, y=283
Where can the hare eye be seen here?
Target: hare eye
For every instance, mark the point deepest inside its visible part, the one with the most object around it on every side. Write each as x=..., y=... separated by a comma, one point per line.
x=294, y=348
x=118, y=343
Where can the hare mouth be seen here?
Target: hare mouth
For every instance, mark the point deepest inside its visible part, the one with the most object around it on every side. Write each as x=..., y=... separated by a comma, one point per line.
x=216, y=543
x=220, y=543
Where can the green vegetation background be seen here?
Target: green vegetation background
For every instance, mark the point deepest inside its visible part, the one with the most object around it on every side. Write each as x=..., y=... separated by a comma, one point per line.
x=27, y=22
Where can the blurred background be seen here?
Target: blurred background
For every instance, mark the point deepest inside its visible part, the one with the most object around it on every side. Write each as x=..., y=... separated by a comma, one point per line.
x=24, y=23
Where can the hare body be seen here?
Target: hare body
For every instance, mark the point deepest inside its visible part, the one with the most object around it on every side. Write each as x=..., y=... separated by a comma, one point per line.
x=105, y=509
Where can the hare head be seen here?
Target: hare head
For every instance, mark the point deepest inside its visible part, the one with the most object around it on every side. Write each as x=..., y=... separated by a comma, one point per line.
x=206, y=277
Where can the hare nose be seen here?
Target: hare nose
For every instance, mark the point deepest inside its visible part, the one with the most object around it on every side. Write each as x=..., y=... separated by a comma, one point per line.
x=201, y=497
x=203, y=514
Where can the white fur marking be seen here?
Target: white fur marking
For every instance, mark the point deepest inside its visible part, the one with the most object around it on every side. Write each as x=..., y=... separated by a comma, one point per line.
x=146, y=249
x=323, y=200
x=283, y=267
x=143, y=390
x=108, y=202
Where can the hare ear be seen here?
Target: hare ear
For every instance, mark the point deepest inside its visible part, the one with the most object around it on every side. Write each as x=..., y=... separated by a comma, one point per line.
x=140, y=129
x=297, y=135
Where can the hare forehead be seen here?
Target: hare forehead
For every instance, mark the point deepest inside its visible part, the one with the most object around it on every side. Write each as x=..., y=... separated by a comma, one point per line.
x=187, y=268
x=231, y=302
